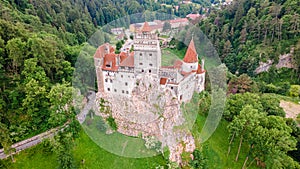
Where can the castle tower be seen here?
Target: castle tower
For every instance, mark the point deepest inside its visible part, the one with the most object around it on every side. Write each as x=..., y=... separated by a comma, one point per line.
x=147, y=53
x=190, y=60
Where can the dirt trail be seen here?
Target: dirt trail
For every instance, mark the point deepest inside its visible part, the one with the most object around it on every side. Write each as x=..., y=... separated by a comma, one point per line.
x=291, y=109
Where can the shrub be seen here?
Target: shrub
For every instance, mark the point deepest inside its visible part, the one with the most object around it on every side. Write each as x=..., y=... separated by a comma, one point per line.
x=112, y=123
x=294, y=91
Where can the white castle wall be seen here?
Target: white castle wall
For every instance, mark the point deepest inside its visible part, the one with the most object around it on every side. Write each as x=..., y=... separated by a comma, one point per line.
x=118, y=82
x=188, y=67
x=186, y=88
x=200, y=82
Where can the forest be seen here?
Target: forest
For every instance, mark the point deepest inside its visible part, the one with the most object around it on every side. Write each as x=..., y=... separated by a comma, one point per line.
x=40, y=41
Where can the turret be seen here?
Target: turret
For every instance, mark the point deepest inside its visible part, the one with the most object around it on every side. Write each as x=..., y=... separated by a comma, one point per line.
x=147, y=52
x=190, y=60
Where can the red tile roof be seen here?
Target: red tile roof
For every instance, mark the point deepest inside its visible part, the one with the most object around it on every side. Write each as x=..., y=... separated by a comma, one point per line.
x=191, y=54
x=179, y=20
x=129, y=61
x=146, y=27
x=123, y=56
x=193, y=16
x=178, y=64
x=111, y=49
x=199, y=70
x=163, y=81
x=110, y=59
x=185, y=74
x=100, y=52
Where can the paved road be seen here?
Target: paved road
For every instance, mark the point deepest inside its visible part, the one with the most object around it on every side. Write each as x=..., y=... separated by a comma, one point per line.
x=82, y=115
x=22, y=145
x=127, y=45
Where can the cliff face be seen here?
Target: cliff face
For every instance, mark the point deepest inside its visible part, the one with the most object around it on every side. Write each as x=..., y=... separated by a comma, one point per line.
x=285, y=60
x=152, y=110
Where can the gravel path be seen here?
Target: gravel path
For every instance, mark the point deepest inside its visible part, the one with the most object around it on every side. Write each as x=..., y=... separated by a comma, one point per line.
x=291, y=109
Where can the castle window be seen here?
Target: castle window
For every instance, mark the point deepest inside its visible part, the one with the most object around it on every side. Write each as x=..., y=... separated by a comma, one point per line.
x=122, y=91
x=150, y=64
x=150, y=54
x=142, y=70
x=105, y=80
x=126, y=92
x=149, y=71
x=172, y=87
x=110, y=81
x=126, y=84
x=121, y=76
x=108, y=89
x=141, y=63
x=115, y=90
x=191, y=66
x=141, y=54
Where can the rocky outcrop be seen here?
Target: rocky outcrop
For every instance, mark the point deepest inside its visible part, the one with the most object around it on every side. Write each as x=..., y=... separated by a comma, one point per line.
x=285, y=60
x=152, y=110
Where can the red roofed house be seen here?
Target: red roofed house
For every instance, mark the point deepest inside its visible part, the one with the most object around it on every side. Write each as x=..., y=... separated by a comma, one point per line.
x=193, y=16
x=181, y=22
x=117, y=74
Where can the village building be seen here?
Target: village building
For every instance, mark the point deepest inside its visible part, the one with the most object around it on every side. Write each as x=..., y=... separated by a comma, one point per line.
x=177, y=23
x=117, y=73
x=157, y=25
x=193, y=16
x=117, y=31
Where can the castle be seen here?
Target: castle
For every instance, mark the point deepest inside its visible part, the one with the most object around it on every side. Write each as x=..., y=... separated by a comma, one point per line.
x=117, y=74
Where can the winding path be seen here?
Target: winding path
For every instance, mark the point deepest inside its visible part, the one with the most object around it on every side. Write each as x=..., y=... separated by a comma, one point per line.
x=22, y=145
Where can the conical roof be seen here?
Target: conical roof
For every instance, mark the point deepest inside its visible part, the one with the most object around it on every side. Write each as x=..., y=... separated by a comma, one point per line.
x=146, y=27
x=191, y=55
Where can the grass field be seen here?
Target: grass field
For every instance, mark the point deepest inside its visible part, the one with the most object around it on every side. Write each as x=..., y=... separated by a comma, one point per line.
x=217, y=147
x=96, y=157
x=85, y=150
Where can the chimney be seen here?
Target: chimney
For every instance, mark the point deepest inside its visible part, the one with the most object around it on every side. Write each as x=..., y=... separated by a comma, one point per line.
x=202, y=65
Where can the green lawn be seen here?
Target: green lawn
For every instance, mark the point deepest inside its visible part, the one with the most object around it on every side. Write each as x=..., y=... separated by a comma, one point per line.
x=117, y=143
x=85, y=150
x=217, y=147
x=96, y=157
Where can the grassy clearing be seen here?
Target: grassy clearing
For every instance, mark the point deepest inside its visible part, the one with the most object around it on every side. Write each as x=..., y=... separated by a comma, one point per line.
x=85, y=150
x=117, y=143
x=217, y=147
x=169, y=56
x=95, y=157
x=285, y=98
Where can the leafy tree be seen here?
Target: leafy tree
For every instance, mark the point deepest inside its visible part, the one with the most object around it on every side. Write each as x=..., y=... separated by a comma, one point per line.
x=118, y=46
x=6, y=141
x=271, y=141
x=271, y=105
x=199, y=161
x=237, y=102
x=16, y=49
x=166, y=26
x=295, y=91
x=35, y=88
x=241, y=84
x=62, y=145
x=60, y=97
x=243, y=124
x=112, y=123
